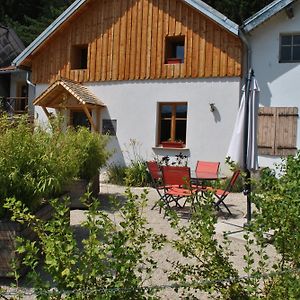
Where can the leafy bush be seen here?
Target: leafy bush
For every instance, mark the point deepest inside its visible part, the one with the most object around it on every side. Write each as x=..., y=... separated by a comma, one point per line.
x=116, y=174
x=112, y=263
x=35, y=164
x=278, y=201
x=135, y=174
x=91, y=151
x=238, y=187
x=276, y=221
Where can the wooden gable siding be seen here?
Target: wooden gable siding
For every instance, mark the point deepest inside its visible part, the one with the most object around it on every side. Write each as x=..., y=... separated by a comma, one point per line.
x=126, y=41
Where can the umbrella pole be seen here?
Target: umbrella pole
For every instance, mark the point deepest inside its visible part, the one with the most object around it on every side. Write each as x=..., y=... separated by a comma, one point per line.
x=248, y=195
x=247, y=185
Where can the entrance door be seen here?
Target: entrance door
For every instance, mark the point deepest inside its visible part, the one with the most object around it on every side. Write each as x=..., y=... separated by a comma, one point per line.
x=79, y=118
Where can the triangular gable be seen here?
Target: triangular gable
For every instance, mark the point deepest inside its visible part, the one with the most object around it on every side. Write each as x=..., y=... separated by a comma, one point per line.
x=68, y=94
x=56, y=95
x=199, y=5
x=265, y=14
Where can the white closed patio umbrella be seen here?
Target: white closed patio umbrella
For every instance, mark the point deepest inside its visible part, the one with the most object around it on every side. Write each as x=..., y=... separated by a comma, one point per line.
x=243, y=145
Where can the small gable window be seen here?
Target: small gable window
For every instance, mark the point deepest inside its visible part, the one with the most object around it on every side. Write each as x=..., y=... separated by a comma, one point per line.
x=289, y=48
x=174, y=49
x=79, y=57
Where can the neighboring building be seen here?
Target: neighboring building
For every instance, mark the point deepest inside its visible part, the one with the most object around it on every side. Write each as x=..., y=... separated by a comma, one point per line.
x=144, y=70
x=13, y=85
x=274, y=38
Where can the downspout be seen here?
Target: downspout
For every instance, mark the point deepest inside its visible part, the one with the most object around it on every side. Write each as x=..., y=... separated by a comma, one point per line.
x=248, y=51
x=32, y=85
x=28, y=80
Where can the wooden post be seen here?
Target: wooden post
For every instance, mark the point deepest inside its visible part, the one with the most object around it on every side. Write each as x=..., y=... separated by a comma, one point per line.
x=89, y=117
x=46, y=112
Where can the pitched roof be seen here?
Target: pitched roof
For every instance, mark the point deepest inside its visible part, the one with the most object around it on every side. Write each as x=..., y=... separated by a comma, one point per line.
x=10, y=46
x=77, y=90
x=197, y=4
x=264, y=14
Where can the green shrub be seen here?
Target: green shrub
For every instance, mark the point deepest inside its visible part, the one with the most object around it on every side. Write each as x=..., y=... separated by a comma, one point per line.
x=137, y=174
x=238, y=187
x=35, y=164
x=116, y=174
x=91, y=151
x=112, y=262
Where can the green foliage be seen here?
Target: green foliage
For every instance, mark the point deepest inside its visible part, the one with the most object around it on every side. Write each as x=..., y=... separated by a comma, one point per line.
x=278, y=199
x=136, y=173
x=276, y=221
x=238, y=187
x=29, y=18
x=116, y=174
x=114, y=255
x=238, y=10
x=91, y=155
x=35, y=164
x=112, y=262
x=210, y=270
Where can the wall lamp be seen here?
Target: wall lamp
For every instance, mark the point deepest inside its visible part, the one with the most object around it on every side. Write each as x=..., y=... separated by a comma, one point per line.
x=212, y=107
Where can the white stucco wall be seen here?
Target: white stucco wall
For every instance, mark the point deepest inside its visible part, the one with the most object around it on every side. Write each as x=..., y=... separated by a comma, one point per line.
x=279, y=82
x=134, y=105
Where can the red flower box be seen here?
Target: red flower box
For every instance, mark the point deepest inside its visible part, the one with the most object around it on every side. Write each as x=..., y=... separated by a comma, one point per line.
x=174, y=61
x=170, y=144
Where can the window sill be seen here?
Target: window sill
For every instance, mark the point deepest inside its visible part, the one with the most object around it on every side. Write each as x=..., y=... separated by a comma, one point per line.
x=170, y=148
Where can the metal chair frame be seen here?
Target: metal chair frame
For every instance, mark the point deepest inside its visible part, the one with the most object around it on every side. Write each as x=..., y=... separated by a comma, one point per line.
x=222, y=194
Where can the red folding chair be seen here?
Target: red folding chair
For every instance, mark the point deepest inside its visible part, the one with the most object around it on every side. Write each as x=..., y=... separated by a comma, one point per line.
x=222, y=194
x=157, y=183
x=207, y=166
x=177, y=181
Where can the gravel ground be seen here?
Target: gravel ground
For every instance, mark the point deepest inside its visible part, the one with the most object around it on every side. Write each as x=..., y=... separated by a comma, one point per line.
x=236, y=203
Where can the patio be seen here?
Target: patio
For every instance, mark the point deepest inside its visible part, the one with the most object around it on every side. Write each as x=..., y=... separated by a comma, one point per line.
x=236, y=202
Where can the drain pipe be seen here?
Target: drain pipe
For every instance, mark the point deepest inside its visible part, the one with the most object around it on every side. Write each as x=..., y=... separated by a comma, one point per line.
x=245, y=41
x=30, y=107
x=28, y=80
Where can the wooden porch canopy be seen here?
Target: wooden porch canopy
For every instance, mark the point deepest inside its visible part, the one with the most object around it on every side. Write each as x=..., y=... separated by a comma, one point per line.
x=68, y=94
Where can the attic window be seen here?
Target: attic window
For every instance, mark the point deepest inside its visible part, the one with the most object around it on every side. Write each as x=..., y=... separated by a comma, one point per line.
x=174, y=49
x=79, y=57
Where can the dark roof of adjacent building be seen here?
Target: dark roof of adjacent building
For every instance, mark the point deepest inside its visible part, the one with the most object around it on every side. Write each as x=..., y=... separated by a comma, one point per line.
x=10, y=46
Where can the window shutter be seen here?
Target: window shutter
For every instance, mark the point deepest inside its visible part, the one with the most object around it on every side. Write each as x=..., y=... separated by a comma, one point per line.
x=286, y=131
x=266, y=130
x=277, y=131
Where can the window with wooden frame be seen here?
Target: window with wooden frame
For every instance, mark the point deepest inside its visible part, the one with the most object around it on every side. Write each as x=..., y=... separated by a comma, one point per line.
x=174, y=49
x=289, y=48
x=79, y=57
x=277, y=131
x=172, y=122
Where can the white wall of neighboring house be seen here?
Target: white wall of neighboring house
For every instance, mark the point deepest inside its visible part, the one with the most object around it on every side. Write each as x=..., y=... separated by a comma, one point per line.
x=17, y=78
x=279, y=82
x=134, y=105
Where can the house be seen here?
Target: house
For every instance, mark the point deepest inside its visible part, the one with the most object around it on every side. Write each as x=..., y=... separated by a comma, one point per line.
x=13, y=85
x=147, y=70
x=273, y=36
